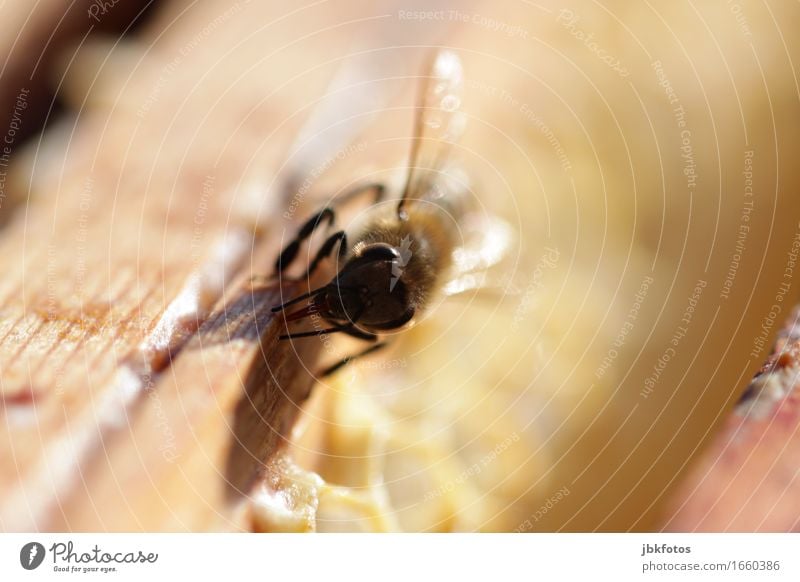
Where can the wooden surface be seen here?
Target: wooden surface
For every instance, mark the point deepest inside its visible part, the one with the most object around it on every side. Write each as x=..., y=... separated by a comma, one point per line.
x=747, y=478
x=140, y=370
x=108, y=398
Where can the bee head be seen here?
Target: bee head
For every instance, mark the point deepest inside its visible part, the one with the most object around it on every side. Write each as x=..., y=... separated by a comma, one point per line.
x=369, y=292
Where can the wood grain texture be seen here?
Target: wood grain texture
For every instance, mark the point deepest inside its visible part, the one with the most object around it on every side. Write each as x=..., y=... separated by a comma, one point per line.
x=746, y=480
x=140, y=371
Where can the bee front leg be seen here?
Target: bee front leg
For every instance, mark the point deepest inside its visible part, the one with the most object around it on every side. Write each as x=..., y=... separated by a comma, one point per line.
x=289, y=253
x=325, y=251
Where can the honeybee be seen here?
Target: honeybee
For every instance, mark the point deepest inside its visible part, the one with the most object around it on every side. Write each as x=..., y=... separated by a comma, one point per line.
x=396, y=260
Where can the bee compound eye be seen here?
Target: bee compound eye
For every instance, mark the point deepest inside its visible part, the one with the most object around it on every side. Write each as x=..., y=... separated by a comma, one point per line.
x=380, y=252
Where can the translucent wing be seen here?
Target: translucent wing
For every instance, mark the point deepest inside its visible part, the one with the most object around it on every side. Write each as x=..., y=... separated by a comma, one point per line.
x=439, y=122
x=488, y=241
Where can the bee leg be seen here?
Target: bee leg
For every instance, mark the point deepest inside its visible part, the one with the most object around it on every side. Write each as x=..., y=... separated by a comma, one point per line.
x=325, y=251
x=342, y=363
x=289, y=253
x=302, y=334
x=352, y=331
x=349, y=329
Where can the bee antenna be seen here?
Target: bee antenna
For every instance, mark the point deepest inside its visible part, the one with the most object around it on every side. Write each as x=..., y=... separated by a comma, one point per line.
x=297, y=299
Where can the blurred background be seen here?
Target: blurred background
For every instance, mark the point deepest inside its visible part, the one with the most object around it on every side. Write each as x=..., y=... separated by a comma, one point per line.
x=158, y=153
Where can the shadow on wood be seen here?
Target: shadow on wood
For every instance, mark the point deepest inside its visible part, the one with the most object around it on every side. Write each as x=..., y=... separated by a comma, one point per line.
x=277, y=381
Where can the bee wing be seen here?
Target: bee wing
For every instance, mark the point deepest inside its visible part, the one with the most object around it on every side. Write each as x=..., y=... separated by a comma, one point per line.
x=337, y=118
x=438, y=124
x=488, y=240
